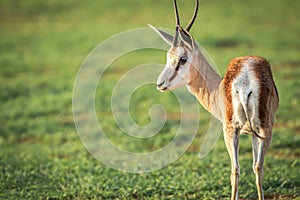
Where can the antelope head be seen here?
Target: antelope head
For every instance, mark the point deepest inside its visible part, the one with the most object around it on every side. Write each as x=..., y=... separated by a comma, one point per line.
x=178, y=70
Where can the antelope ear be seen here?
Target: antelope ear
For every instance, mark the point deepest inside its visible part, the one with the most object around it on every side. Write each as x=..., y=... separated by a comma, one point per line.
x=165, y=36
x=186, y=37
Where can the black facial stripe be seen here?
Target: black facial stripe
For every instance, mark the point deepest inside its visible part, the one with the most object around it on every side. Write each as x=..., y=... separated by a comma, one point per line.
x=174, y=74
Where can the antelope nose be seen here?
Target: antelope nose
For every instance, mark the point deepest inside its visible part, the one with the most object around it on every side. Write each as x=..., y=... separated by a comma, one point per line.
x=160, y=84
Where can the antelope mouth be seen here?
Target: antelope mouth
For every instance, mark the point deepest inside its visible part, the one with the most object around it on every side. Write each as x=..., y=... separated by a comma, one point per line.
x=162, y=89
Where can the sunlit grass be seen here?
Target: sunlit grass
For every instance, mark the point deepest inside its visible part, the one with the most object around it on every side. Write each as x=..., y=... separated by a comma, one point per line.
x=43, y=43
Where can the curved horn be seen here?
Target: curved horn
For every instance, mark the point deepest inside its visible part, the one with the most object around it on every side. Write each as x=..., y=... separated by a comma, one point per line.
x=176, y=14
x=176, y=37
x=194, y=16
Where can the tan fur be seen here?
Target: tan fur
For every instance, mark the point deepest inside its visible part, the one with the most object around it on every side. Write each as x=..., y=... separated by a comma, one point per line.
x=268, y=97
x=268, y=102
x=233, y=70
x=205, y=83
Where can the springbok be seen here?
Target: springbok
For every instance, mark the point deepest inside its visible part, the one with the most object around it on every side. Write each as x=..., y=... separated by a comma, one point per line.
x=245, y=100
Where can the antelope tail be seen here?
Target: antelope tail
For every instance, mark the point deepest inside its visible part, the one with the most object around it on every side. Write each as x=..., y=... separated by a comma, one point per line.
x=246, y=106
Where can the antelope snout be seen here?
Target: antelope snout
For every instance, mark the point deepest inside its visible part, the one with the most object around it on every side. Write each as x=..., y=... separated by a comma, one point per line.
x=161, y=86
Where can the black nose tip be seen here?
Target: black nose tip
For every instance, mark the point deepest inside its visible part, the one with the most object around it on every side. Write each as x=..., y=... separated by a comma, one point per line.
x=160, y=84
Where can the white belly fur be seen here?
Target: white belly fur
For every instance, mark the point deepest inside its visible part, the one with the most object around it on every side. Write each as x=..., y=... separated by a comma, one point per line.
x=245, y=95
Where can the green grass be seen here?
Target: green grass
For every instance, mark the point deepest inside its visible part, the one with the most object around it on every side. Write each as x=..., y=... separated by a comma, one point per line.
x=43, y=43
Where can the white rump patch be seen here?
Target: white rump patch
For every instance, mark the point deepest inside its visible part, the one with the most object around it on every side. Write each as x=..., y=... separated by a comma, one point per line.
x=245, y=94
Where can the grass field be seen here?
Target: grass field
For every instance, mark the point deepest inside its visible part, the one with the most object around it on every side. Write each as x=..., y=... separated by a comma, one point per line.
x=42, y=45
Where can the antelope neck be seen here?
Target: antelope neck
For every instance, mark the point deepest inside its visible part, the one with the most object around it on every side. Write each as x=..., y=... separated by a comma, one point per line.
x=205, y=85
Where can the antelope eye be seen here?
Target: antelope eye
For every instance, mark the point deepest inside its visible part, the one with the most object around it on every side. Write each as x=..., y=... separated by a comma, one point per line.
x=182, y=60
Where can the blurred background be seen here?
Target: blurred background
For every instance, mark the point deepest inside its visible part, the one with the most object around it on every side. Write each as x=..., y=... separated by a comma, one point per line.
x=42, y=45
